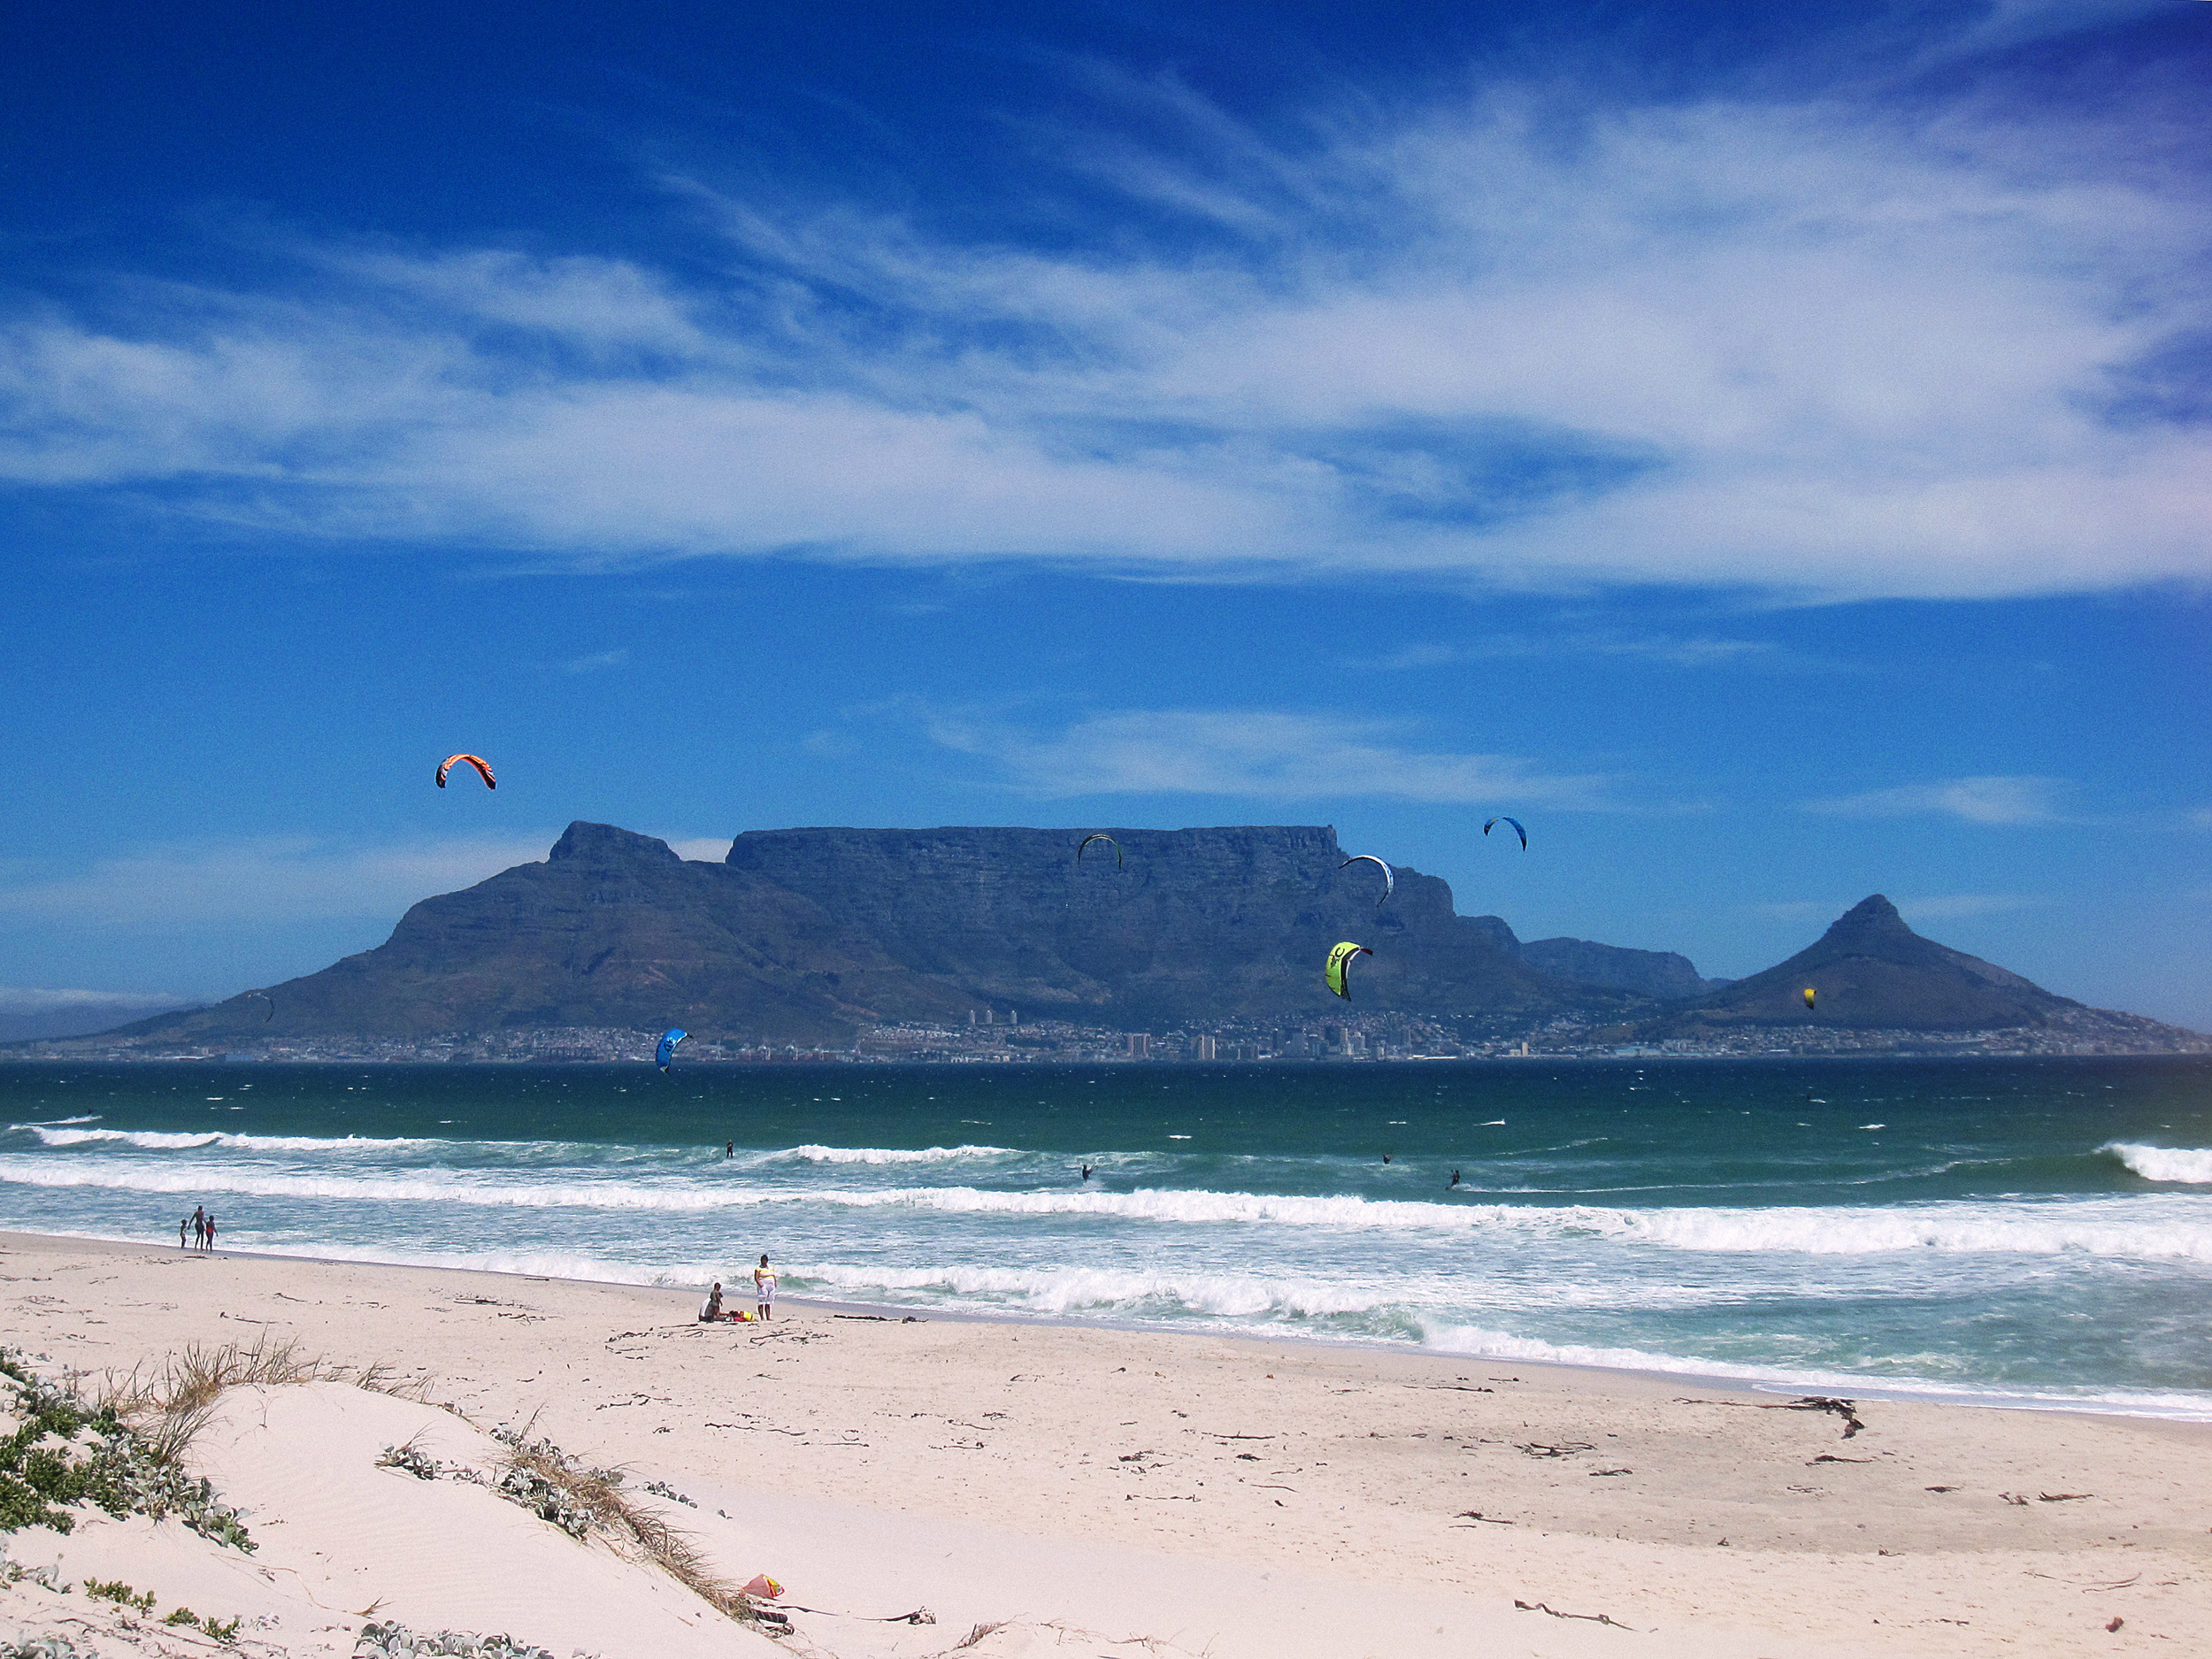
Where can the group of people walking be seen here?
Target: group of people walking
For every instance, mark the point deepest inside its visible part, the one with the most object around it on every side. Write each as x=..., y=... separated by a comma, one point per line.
x=199, y=1227
x=764, y=1297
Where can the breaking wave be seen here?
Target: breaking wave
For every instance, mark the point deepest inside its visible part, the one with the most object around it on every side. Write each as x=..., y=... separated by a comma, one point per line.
x=1082, y=1289
x=2191, y=1164
x=188, y=1141
x=2112, y=1227
x=885, y=1155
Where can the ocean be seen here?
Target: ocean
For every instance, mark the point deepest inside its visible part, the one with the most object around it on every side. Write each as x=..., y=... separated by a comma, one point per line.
x=2012, y=1230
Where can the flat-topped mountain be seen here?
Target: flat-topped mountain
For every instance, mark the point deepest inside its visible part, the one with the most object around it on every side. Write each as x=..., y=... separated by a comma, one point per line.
x=808, y=935
x=811, y=936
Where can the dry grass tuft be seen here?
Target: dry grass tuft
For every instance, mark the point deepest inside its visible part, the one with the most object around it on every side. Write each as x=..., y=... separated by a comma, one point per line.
x=979, y=1633
x=596, y=1495
x=167, y=1406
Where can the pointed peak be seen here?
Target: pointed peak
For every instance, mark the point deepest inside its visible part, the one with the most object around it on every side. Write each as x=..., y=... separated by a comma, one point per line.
x=605, y=844
x=1873, y=914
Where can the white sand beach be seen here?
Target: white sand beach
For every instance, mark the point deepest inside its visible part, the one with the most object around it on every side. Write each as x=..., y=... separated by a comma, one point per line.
x=1070, y=1490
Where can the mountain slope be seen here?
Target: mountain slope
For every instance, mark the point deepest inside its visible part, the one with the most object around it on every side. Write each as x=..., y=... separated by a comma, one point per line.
x=808, y=935
x=1871, y=971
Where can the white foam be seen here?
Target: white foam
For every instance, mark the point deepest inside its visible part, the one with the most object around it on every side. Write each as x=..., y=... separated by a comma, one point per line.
x=2183, y=1404
x=2124, y=1227
x=887, y=1155
x=167, y=1140
x=2191, y=1164
x=2097, y=1226
x=1070, y=1289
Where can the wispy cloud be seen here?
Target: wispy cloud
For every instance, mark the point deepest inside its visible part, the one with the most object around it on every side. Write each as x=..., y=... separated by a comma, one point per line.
x=28, y=999
x=594, y=662
x=1668, y=650
x=706, y=849
x=1935, y=907
x=1991, y=800
x=1846, y=347
x=1261, y=755
x=272, y=880
x=1941, y=907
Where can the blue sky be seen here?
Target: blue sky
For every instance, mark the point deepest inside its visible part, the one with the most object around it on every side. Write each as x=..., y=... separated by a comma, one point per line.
x=1769, y=450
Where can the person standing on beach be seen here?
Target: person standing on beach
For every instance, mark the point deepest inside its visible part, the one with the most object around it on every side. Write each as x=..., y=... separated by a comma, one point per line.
x=199, y=1227
x=764, y=1288
x=211, y=1230
x=184, y=1229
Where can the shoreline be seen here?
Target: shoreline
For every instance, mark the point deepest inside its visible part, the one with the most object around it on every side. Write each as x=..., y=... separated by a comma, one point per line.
x=1910, y=1392
x=1253, y=1497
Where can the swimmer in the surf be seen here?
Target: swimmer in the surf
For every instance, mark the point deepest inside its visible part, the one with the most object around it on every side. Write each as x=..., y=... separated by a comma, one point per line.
x=1385, y=1157
x=1453, y=1182
x=1086, y=1171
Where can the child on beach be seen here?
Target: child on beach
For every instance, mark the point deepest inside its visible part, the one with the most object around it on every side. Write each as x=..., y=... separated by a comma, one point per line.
x=710, y=1309
x=210, y=1230
x=764, y=1288
x=184, y=1229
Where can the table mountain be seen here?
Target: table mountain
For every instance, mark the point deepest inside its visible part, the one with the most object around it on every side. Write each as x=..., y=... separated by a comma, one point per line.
x=808, y=935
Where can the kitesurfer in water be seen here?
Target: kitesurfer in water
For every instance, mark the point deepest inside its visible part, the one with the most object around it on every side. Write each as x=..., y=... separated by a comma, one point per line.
x=729, y=1149
x=1086, y=1171
x=1453, y=1182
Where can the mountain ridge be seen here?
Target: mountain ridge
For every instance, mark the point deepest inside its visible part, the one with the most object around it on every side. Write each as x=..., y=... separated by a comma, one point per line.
x=814, y=936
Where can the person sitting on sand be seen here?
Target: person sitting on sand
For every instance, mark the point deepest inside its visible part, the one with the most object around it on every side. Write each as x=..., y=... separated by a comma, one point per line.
x=764, y=1288
x=710, y=1309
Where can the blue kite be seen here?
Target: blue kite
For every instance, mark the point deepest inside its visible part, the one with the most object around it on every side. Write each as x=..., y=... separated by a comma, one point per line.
x=666, y=1053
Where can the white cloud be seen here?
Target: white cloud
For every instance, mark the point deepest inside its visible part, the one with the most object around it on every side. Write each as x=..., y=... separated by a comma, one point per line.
x=28, y=999
x=1821, y=349
x=1944, y=906
x=1993, y=800
x=1257, y=755
x=706, y=849
x=274, y=880
x=1938, y=907
x=594, y=662
x=1694, y=651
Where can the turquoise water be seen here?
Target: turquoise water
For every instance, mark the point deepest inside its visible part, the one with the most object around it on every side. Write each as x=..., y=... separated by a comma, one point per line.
x=2021, y=1228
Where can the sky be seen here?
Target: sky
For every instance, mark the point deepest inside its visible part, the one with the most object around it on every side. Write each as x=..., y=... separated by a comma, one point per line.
x=1768, y=450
